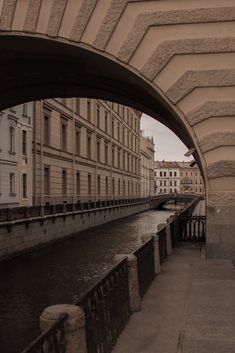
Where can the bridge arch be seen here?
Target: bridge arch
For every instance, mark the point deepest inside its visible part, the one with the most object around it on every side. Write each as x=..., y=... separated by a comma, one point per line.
x=171, y=59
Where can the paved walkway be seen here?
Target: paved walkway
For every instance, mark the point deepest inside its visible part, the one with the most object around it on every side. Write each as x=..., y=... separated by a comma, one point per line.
x=189, y=308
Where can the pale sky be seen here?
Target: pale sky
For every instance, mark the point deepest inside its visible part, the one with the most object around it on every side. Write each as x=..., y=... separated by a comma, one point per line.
x=167, y=145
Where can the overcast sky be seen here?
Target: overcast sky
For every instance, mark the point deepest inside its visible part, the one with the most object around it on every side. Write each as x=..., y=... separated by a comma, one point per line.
x=167, y=145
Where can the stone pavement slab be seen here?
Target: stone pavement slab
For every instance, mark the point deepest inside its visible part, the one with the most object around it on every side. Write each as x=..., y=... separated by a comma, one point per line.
x=189, y=308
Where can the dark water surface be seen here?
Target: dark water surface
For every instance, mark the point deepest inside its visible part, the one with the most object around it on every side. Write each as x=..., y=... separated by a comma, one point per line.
x=61, y=272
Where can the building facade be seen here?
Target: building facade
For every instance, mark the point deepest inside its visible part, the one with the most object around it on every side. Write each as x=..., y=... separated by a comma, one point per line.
x=16, y=156
x=191, y=180
x=147, y=166
x=167, y=177
x=178, y=177
x=85, y=149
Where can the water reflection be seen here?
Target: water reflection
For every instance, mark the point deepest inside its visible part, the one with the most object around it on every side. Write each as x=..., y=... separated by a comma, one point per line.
x=62, y=272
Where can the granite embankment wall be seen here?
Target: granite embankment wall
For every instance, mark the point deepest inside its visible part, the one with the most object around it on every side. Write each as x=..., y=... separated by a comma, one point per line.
x=21, y=236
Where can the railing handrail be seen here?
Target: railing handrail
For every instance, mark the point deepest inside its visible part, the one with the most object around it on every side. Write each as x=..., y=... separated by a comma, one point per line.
x=41, y=338
x=93, y=287
x=11, y=214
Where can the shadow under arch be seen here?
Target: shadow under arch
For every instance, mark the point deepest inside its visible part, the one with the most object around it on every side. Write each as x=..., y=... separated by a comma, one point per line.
x=36, y=68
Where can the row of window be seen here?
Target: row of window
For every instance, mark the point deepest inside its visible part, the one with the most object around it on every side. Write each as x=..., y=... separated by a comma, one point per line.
x=121, y=110
x=127, y=186
x=171, y=174
x=164, y=183
x=128, y=139
x=165, y=191
x=12, y=137
x=12, y=185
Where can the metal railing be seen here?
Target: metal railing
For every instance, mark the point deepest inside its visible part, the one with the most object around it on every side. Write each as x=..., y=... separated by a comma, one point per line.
x=107, y=308
x=145, y=265
x=162, y=244
x=51, y=340
x=192, y=228
x=20, y=213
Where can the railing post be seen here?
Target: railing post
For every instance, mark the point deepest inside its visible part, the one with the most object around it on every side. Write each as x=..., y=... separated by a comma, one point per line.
x=135, y=300
x=157, y=265
x=75, y=335
x=168, y=239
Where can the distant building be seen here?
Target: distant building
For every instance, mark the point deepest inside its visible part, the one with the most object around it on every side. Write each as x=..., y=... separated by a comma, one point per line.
x=85, y=149
x=167, y=177
x=147, y=166
x=191, y=180
x=177, y=177
x=16, y=156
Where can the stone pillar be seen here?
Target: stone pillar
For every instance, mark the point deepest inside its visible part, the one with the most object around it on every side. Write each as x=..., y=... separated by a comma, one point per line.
x=168, y=240
x=75, y=335
x=135, y=300
x=220, y=225
x=157, y=265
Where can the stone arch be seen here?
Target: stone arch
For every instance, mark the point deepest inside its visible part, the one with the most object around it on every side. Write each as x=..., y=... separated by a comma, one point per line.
x=172, y=59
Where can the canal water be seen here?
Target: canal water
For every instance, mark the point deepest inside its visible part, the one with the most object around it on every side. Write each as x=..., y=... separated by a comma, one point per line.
x=60, y=273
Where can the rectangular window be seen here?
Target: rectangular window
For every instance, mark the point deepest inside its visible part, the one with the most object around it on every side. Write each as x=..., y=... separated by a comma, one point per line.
x=98, y=185
x=64, y=182
x=63, y=127
x=160, y=174
x=89, y=184
x=106, y=185
x=112, y=127
x=98, y=116
x=78, y=183
x=118, y=131
x=88, y=110
x=123, y=136
x=113, y=156
x=12, y=183
x=119, y=158
x=106, y=122
x=46, y=181
x=77, y=141
x=12, y=139
x=24, y=142
x=46, y=130
x=25, y=112
x=175, y=174
x=124, y=187
x=98, y=150
x=24, y=185
x=170, y=174
x=119, y=187
x=106, y=153
x=113, y=182
x=124, y=160
x=89, y=145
